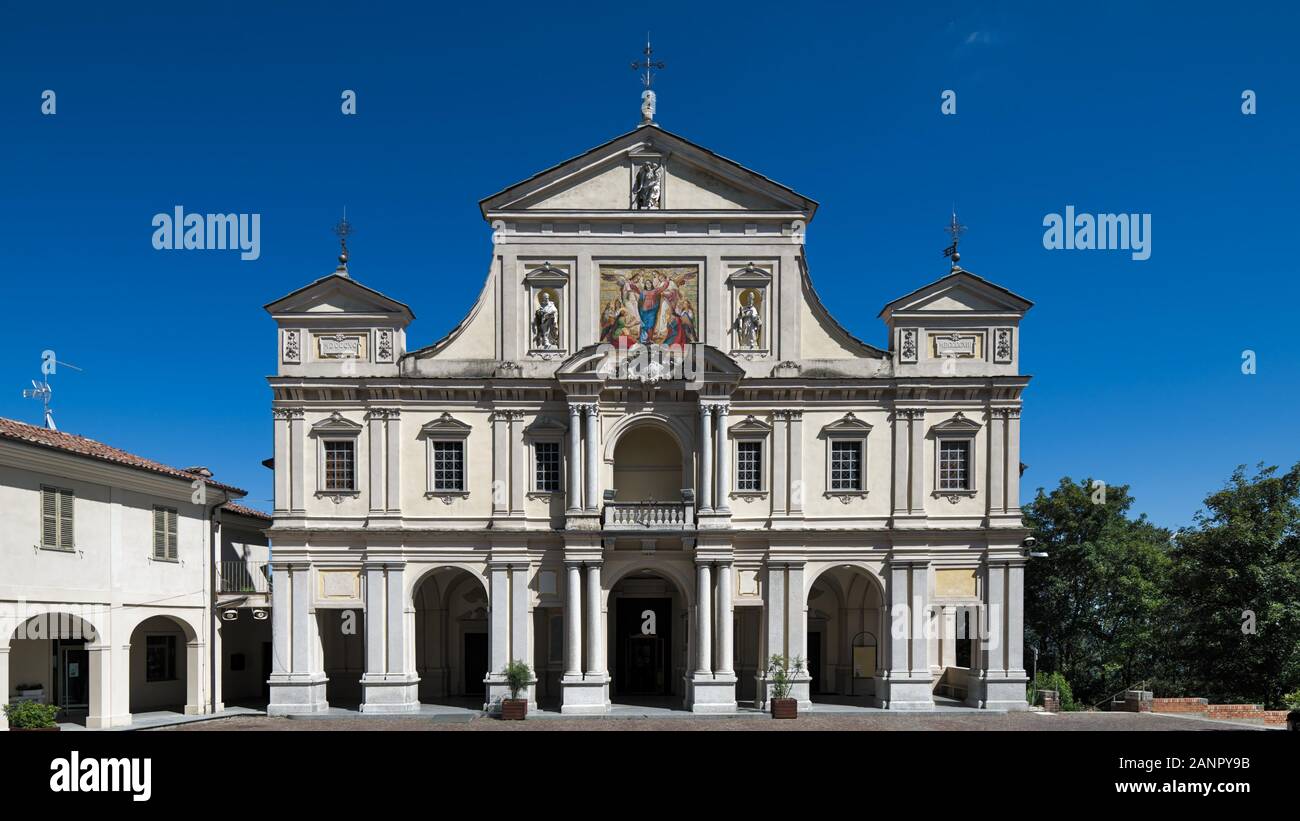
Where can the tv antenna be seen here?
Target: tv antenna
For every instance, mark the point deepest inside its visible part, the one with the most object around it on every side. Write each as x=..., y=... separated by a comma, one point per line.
x=41, y=389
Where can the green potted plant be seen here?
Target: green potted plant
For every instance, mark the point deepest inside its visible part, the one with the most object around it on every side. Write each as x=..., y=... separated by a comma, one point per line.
x=28, y=715
x=518, y=675
x=781, y=671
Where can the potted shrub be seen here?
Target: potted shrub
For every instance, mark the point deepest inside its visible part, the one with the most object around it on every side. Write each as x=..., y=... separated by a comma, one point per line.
x=780, y=671
x=517, y=674
x=28, y=715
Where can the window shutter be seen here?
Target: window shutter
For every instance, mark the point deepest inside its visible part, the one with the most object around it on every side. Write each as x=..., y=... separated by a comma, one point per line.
x=65, y=520
x=159, y=533
x=171, y=533
x=49, y=517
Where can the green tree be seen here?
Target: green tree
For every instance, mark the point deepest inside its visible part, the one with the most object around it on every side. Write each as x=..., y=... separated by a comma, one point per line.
x=1241, y=556
x=1093, y=607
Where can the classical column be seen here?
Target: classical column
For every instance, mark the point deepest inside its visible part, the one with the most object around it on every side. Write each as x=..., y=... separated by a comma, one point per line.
x=519, y=613
x=780, y=462
x=703, y=619
x=280, y=418
x=920, y=620
x=499, y=619
x=997, y=473
x=302, y=616
x=724, y=458
x=595, y=636
x=99, y=712
x=393, y=460
x=706, y=458
x=798, y=488
x=902, y=492
x=375, y=616
x=798, y=615
x=995, y=605
x=572, y=620
x=774, y=592
x=281, y=612
x=1015, y=619
x=375, y=446
x=916, y=452
x=900, y=608
x=1013, y=461
x=500, y=463
x=726, y=618
x=574, y=467
x=297, y=482
x=590, y=474
x=398, y=663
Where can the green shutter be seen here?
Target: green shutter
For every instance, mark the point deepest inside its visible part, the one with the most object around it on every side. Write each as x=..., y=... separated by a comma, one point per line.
x=171, y=533
x=65, y=520
x=49, y=517
x=159, y=533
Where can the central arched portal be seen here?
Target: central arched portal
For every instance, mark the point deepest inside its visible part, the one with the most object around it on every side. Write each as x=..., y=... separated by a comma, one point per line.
x=648, y=640
x=451, y=636
x=648, y=466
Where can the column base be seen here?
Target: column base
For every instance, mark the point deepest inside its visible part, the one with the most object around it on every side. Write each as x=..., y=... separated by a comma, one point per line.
x=907, y=693
x=587, y=696
x=1006, y=693
x=800, y=691
x=297, y=695
x=711, y=692
x=390, y=693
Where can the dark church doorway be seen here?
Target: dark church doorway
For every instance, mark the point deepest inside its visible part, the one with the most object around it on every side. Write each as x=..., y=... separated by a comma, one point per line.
x=643, y=647
x=476, y=663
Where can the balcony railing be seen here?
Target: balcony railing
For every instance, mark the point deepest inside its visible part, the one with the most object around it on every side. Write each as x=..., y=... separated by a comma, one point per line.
x=243, y=577
x=642, y=516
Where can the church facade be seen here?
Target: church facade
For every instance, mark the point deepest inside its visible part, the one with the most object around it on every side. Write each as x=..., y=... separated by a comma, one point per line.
x=647, y=461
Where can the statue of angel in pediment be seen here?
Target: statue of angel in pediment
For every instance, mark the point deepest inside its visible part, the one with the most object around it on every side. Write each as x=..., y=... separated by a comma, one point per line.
x=648, y=187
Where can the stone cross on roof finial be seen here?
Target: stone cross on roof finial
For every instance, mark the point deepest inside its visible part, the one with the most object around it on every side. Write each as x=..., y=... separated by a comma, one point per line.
x=342, y=230
x=954, y=228
x=647, y=95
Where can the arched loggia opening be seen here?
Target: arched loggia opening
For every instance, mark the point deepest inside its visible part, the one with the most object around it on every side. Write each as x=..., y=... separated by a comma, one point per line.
x=451, y=636
x=845, y=624
x=649, y=648
x=47, y=660
x=165, y=659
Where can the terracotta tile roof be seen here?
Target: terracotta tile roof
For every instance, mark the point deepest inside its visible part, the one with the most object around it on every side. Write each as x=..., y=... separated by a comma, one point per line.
x=71, y=443
x=243, y=510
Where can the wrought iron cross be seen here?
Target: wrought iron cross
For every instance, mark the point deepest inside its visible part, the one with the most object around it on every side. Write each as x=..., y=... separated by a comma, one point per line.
x=954, y=228
x=648, y=63
x=343, y=230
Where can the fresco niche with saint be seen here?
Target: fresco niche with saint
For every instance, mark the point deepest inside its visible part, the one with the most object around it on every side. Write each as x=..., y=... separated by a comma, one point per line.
x=650, y=304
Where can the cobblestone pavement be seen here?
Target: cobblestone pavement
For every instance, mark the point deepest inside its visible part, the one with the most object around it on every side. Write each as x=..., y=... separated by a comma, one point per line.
x=900, y=721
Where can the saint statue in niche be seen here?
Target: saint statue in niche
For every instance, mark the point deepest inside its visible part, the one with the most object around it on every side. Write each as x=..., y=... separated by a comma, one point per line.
x=748, y=326
x=648, y=187
x=546, y=324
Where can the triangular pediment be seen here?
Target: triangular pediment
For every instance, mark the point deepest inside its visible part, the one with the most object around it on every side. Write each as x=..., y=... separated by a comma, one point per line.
x=338, y=294
x=602, y=179
x=961, y=292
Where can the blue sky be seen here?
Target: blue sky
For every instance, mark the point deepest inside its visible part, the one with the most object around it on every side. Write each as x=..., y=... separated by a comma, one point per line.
x=234, y=107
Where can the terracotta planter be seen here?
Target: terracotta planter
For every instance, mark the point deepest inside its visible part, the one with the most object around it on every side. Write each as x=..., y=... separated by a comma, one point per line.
x=785, y=708
x=514, y=709
x=34, y=729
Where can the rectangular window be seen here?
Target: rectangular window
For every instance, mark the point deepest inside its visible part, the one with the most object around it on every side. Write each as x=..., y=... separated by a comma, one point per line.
x=56, y=518
x=164, y=533
x=954, y=465
x=160, y=658
x=749, y=466
x=340, y=464
x=846, y=465
x=448, y=466
x=546, y=456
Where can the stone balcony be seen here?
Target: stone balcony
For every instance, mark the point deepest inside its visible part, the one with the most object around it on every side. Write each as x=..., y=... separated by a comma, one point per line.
x=647, y=517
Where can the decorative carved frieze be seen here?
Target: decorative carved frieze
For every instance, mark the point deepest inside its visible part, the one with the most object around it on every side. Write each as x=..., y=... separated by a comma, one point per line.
x=292, y=346
x=1002, y=345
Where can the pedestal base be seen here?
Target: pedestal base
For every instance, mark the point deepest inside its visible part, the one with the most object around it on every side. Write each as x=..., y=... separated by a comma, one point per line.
x=390, y=694
x=584, y=696
x=711, y=693
x=913, y=693
x=297, y=696
x=1006, y=693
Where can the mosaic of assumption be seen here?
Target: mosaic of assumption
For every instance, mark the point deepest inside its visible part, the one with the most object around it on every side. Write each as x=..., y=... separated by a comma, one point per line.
x=649, y=304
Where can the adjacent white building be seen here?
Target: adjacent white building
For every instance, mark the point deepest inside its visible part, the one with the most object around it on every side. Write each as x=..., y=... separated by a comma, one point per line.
x=112, y=567
x=648, y=460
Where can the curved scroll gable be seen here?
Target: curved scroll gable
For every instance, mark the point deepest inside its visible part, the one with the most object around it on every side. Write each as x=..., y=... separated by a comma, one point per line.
x=833, y=333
